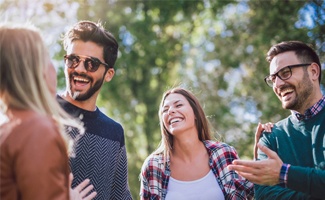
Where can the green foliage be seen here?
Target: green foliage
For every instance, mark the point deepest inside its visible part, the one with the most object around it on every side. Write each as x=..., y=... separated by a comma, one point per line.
x=215, y=48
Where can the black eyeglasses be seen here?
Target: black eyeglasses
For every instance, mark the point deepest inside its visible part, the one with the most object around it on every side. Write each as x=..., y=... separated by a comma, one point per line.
x=284, y=74
x=91, y=63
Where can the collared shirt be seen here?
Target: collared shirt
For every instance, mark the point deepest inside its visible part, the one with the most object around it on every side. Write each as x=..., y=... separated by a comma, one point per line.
x=156, y=172
x=310, y=112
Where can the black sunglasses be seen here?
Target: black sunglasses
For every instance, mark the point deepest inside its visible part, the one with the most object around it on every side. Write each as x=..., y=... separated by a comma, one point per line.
x=91, y=63
x=284, y=74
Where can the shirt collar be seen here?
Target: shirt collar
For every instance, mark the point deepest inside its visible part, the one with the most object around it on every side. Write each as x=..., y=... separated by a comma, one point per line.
x=310, y=112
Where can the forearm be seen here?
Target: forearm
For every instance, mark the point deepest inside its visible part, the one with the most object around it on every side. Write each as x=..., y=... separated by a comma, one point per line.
x=277, y=193
x=307, y=180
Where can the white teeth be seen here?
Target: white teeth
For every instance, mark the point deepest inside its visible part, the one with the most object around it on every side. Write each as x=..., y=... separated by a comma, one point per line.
x=174, y=120
x=80, y=79
x=284, y=92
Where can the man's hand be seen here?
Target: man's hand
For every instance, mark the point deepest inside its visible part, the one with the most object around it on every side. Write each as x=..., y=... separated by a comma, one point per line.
x=267, y=127
x=80, y=192
x=262, y=172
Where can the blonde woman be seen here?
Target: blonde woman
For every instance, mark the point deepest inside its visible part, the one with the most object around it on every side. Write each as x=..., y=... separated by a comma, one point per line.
x=33, y=144
x=188, y=164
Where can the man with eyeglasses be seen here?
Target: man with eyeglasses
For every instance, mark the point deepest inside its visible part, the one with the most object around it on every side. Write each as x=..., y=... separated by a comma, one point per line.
x=291, y=160
x=99, y=154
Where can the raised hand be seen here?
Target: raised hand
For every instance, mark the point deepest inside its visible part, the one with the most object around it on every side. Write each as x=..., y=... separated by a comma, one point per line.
x=262, y=172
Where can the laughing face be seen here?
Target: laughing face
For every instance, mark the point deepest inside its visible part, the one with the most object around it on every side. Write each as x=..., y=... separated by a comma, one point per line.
x=178, y=115
x=82, y=84
x=295, y=91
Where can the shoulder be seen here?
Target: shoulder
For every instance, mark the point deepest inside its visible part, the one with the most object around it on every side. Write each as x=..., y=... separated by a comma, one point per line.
x=98, y=124
x=44, y=125
x=283, y=123
x=108, y=120
x=220, y=150
x=153, y=162
x=154, y=159
x=217, y=146
x=27, y=123
x=279, y=128
x=31, y=130
x=43, y=121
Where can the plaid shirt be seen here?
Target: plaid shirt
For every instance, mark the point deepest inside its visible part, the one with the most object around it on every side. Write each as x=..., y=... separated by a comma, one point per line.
x=310, y=112
x=155, y=174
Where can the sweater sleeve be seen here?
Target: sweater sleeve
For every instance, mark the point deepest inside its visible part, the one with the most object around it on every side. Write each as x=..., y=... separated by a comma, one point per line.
x=307, y=180
x=121, y=187
x=275, y=192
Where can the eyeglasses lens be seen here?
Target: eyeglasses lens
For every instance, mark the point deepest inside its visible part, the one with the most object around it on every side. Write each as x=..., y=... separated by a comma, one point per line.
x=284, y=73
x=269, y=80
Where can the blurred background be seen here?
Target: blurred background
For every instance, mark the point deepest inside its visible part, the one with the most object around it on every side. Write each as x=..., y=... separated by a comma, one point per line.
x=215, y=48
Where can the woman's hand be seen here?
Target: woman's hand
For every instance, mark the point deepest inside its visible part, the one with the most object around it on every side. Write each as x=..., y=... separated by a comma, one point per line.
x=80, y=192
x=267, y=127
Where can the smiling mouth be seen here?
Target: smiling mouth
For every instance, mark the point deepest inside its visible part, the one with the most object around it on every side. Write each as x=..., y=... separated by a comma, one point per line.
x=80, y=80
x=175, y=120
x=286, y=91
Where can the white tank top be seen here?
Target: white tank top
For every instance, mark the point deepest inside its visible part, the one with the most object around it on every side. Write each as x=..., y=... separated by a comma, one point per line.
x=203, y=188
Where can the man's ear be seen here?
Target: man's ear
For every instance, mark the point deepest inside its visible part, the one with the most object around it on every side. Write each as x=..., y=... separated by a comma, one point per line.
x=315, y=70
x=109, y=74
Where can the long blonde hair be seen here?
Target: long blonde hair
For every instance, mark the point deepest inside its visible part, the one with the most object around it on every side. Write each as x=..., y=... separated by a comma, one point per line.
x=23, y=61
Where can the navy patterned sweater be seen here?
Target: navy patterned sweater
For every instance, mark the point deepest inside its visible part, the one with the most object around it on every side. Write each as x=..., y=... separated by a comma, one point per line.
x=99, y=154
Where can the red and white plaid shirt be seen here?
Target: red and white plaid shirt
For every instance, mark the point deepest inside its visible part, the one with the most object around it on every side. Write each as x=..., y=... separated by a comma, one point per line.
x=155, y=174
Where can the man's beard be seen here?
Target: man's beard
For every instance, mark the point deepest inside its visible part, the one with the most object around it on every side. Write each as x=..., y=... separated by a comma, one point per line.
x=306, y=88
x=89, y=93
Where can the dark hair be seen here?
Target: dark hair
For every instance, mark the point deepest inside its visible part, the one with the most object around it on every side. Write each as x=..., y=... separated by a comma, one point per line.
x=304, y=52
x=90, y=31
x=201, y=122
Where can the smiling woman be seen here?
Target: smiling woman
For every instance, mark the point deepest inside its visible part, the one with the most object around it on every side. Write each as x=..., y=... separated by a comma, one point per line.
x=188, y=161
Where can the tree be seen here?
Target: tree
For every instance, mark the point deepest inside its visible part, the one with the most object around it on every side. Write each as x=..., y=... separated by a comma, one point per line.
x=215, y=48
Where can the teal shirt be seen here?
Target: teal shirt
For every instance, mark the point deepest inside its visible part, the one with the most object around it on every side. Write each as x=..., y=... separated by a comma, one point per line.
x=302, y=145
